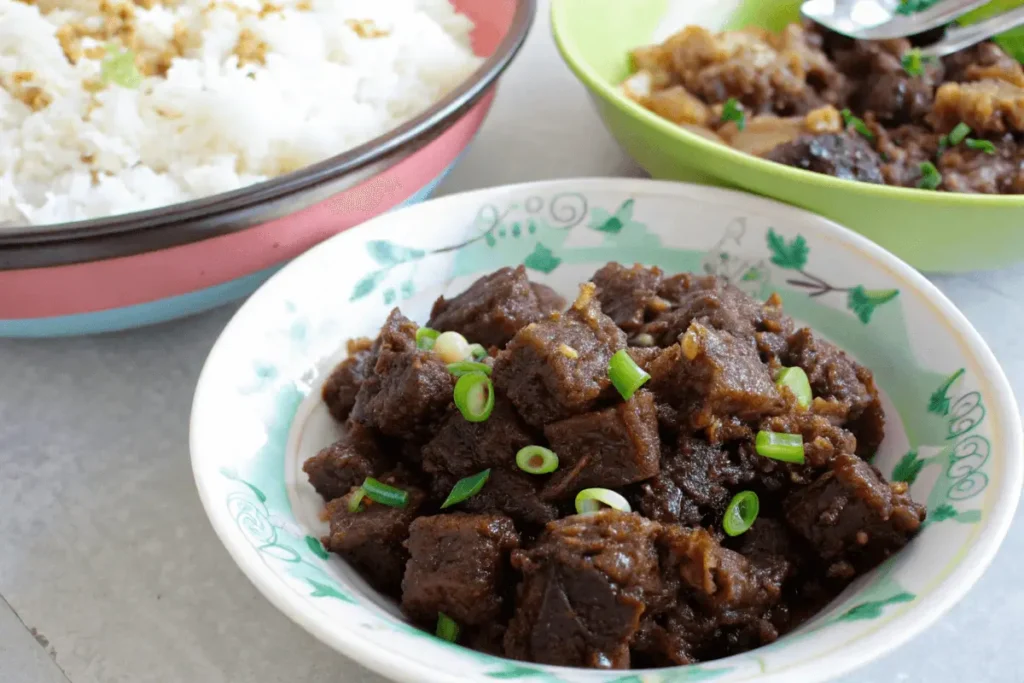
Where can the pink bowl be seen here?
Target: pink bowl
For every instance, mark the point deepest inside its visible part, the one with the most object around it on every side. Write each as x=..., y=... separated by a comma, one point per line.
x=153, y=266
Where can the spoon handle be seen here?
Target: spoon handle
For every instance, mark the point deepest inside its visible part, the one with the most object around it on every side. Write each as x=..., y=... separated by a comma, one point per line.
x=964, y=36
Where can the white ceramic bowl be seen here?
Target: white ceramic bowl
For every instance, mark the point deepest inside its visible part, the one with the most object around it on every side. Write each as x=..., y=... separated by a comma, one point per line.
x=954, y=430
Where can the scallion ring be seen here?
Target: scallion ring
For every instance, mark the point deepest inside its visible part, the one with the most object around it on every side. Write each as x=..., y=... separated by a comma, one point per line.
x=741, y=513
x=426, y=338
x=537, y=460
x=477, y=352
x=958, y=134
x=466, y=488
x=447, y=629
x=795, y=379
x=464, y=367
x=381, y=493
x=591, y=500
x=355, y=502
x=780, y=446
x=625, y=374
x=474, y=396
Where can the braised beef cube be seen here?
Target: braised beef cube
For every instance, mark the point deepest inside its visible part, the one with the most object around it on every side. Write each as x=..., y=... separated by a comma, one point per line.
x=463, y=448
x=717, y=381
x=407, y=395
x=853, y=517
x=508, y=490
x=608, y=448
x=398, y=334
x=456, y=567
x=548, y=300
x=346, y=463
x=823, y=440
x=342, y=385
x=558, y=367
x=692, y=486
x=627, y=294
x=371, y=540
x=683, y=635
x=841, y=155
x=488, y=638
x=585, y=586
x=713, y=302
x=834, y=375
x=643, y=356
x=491, y=310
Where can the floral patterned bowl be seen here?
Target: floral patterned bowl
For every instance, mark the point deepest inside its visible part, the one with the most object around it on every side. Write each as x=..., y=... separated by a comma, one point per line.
x=954, y=431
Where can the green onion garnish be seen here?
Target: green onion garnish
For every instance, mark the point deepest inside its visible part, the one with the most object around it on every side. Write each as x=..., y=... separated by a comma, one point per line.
x=732, y=110
x=466, y=488
x=447, y=629
x=119, y=67
x=381, y=493
x=930, y=176
x=426, y=337
x=355, y=502
x=957, y=135
x=982, y=145
x=477, y=351
x=537, y=460
x=474, y=396
x=780, y=446
x=913, y=62
x=857, y=124
x=465, y=367
x=625, y=374
x=796, y=380
x=591, y=500
x=741, y=513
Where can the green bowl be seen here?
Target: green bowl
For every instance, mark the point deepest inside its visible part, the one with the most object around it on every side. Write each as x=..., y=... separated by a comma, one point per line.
x=933, y=231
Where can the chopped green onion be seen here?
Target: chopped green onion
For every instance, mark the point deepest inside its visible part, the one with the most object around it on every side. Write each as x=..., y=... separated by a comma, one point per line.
x=857, y=124
x=732, y=110
x=477, y=351
x=625, y=374
x=466, y=488
x=426, y=338
x=957, y=135
x=537, y=460
x=591, y=500
x=474, y=396
x=355, y=502
x=741, y=513
x=914, y=62
x=930, y=176
x=780, y=446
x=981, y=145
x=464, y=367
x=385, y=495
x=447, y=629
x=796, y=380
x=119, y=67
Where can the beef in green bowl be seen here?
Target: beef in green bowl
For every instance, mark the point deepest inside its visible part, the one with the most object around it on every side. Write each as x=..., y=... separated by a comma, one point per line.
x=923, y=157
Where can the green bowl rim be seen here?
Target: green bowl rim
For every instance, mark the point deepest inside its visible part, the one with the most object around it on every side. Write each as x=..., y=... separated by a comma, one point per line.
x=597, y=84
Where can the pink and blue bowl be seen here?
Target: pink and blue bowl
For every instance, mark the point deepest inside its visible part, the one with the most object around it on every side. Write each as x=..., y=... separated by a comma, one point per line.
x=153, y=266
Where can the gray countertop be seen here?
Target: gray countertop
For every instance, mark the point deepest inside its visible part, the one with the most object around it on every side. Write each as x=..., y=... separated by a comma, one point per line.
x=110, y=572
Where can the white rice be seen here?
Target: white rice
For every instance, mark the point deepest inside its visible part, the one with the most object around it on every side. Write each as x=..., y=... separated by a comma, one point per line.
x=322, y=76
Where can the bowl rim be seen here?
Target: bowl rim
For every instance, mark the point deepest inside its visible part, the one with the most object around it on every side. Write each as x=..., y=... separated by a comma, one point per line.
x=589, y=76
x=415, y=130
x=844, y=658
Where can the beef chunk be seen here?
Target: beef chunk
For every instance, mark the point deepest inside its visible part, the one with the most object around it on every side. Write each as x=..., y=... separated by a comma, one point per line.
x=609, y=448
x=585, y=586
x=372, y=539
x=627, y=294
x=715, y=303
x=853, y=517
x=456, y=565
x=823, y=440
x=558, y=367
x=463, y=448
x=409, y=389
x=342, y=385
x=508, y=490
x=492, y=309
x=692, y=486
x=548, y=300
x=834, y=375
x=716, y=381
x=346, y=463
x=843, y=155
